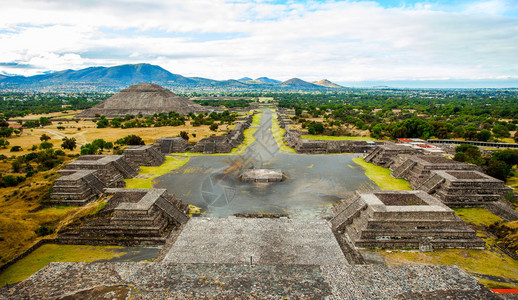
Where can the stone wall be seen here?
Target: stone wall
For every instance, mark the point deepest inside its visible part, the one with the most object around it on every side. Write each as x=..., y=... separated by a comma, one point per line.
x=144, y=155
x=306, y=146
x=223, y=144
x=168, y=145
x=464, y=188
x=76, y=187
x=417, y=168
x=111, y=169
x=383, y=155
x=132, y=216
x=402, y=219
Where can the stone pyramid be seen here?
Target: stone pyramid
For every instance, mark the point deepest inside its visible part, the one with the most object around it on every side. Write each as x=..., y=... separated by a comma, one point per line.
x=144, y=98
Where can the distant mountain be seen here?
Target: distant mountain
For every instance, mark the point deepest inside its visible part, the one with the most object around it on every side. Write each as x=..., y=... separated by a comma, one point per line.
x=299, y=83
x=120, y=77
x=327, y=83
x=267, y=80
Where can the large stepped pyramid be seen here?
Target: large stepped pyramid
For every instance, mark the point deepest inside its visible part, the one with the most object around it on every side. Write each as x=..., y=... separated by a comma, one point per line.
x=145, y=99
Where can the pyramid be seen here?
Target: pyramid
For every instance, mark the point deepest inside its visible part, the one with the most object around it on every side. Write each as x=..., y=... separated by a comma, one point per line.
x=143, y=98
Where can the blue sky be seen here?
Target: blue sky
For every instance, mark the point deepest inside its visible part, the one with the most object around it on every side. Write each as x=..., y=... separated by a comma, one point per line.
x=343, y=41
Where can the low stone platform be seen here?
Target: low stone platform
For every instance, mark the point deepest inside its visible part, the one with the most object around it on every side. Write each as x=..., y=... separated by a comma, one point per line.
x=111, y=169
x=267, y=241
x=464, y=188
x=230, y=281
x=403, y=219
x=76, y=187
x=262, y=175
x=417, y=168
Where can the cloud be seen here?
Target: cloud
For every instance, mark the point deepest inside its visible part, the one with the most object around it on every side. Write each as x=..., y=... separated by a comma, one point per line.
x=339, y=40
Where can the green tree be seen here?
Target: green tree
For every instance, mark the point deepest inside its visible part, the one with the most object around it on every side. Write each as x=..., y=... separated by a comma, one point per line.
x=69, y=143
x=484, y=135
x=44, y=137
x=501, y=131
x=4, y=143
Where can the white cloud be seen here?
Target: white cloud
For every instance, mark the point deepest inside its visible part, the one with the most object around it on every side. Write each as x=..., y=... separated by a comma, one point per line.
x=342, y=41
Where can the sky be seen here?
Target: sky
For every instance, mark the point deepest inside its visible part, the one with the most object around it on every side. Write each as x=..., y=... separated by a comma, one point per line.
x=343, y=41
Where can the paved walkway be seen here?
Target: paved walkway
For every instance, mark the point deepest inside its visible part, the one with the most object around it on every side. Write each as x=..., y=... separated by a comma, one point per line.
x=267, y=241
x=228, y=281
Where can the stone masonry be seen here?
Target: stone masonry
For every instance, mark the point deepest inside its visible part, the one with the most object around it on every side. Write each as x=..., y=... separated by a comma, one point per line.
x=464, y=188
x=144, y=155
x=223, y=144
x=168, y=145
x=383, y=155
x=402, y=219
x=306, y=146
x=76, y=187
x=111, y=169
x=130, y=217
x=417, y=168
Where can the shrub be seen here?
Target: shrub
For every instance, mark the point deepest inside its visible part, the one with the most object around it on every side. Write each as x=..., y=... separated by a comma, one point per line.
x=46, y=145
x=69, y=143
x=16, y=149
x=4, y=143
x=44, y=230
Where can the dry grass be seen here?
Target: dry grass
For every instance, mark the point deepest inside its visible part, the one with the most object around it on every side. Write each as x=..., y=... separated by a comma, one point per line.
x=89, y=132
x=22, y=213
x=490, y=261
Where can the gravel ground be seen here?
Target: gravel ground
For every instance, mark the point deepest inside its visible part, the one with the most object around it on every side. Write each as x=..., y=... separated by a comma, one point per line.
x=223, y=281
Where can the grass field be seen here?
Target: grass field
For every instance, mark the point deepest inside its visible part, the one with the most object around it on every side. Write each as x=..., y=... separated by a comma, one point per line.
x=48, y=253
x=338, y=138
x=480, y=263
x=145, y=177
x=490, y=262
x=477, y=216
x=22, y=215
x=381, y=176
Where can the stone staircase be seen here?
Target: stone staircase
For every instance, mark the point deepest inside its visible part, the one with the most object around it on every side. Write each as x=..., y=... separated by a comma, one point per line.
x=346, y=215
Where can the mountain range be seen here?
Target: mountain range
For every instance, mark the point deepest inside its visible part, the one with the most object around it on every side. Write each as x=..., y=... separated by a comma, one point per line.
x=120, y=77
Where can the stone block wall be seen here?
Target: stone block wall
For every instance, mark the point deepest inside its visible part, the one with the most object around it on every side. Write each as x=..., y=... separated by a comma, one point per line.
x=306, y=146
x=144, y=155
x=401, y=219
x=464, y=188
x=111, y=169
x=383, y=155
x=417, y=168
x=168, y=145
x=76, y=187
x=142, y=216
x=223, y=144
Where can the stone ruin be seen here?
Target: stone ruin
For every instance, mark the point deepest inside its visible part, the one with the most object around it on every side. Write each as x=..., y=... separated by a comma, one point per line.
x=168, y=145
x=383, y=155
x=262, y=175
x=144, y=155
x=129, y=217
x=464, y=188
x=417, y=168
x=306, y=146
x=76, y=187
x=223, y=144
x=146, y=99
x=111, y=169
x=402, y=219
